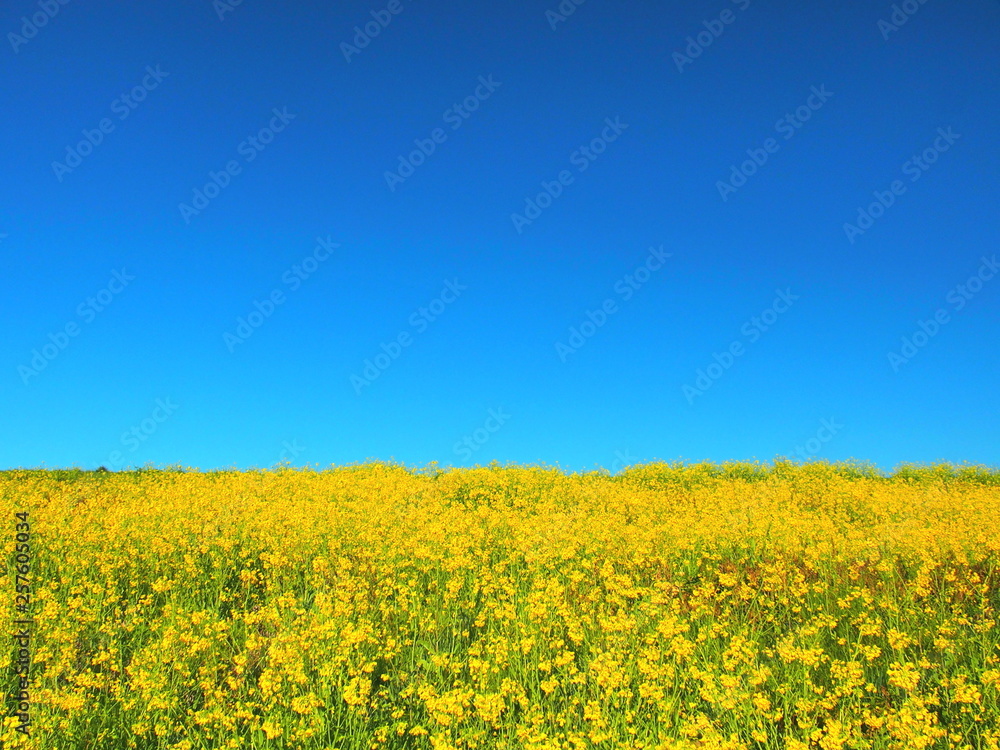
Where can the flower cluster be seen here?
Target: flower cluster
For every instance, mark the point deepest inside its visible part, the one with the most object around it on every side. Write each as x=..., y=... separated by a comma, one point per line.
x=667, y=608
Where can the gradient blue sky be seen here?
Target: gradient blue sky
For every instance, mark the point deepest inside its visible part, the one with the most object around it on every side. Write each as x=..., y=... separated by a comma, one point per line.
x=286, y=391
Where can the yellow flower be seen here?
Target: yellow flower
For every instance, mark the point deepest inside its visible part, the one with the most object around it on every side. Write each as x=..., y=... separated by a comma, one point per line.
x=903, y=676
x=271, y=730
x=430, y=603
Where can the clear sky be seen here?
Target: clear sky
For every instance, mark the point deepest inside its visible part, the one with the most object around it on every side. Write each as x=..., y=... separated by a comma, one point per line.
x=585, y=235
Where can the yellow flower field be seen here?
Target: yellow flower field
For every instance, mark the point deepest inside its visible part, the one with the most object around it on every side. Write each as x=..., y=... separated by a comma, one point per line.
x=696, y=607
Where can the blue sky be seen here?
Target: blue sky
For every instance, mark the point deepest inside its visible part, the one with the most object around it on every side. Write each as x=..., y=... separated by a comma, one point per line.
x=240, y=234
